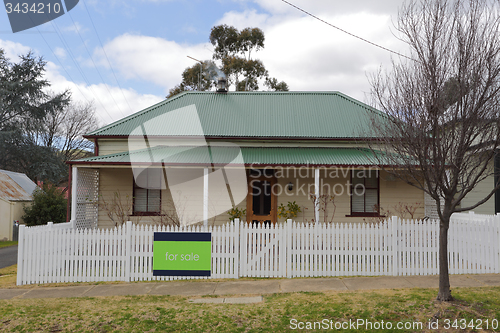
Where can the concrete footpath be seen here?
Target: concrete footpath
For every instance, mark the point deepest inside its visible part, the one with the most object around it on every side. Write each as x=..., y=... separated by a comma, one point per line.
x=246, y=287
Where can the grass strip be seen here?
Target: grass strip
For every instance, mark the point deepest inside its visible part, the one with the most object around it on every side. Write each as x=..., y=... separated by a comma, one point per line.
x=7, y=243
x=276, y=313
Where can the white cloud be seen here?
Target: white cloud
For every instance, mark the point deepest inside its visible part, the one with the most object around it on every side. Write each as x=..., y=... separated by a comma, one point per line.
x=60, y=52
x=248, y=18
x=151, y=59
x=13, y=50
x=310, y=55
x=75, y=28
x=112, y=103
x=321, y=7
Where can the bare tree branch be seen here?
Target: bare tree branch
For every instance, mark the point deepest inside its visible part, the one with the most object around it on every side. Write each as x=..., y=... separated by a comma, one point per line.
x=443, y=126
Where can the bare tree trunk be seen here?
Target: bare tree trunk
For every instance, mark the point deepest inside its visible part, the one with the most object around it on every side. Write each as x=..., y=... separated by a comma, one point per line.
x=444, y=293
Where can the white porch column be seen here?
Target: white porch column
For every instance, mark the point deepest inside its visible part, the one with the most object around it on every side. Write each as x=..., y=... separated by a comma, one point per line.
x=316, y=193
x=205, y=197
x=74, y=182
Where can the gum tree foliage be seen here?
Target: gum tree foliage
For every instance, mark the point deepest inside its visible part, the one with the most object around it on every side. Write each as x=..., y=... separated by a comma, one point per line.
x=49, y=205
x=443, y=106
x=201, y=76
x=233, y=54
x=24, y=101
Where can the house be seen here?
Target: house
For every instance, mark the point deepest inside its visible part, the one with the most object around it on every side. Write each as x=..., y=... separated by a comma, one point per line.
x=191, y=158
x=16, y=191
x=484, y=188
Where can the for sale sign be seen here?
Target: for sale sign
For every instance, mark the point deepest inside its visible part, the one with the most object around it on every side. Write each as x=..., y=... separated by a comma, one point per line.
x=182, y=253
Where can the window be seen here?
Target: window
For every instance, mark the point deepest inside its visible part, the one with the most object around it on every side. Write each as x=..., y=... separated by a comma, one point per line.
x=261, y=194
x=365, y=193
x=147, y=192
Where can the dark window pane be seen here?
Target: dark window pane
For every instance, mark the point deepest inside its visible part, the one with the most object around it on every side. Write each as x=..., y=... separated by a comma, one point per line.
x=256, y=196
x=266, y=198
x=261, y=197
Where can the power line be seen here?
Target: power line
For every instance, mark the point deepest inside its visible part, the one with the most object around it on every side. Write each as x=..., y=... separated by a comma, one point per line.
x=347, y=32
x=67, y=73
x=95, y=66
x=63, y=40
x=106, y=55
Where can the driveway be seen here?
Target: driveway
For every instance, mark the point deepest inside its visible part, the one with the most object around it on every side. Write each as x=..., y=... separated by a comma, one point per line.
x=8, y=256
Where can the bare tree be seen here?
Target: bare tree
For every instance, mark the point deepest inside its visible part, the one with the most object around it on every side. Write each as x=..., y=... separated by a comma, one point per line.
x=64, y=128
x=442, y=128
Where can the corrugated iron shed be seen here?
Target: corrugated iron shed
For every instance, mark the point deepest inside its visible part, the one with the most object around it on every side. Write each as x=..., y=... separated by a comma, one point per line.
x=330, y=115
x=11, y=190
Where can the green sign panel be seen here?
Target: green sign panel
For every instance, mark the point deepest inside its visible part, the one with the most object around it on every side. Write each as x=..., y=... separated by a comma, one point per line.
x=182, y=253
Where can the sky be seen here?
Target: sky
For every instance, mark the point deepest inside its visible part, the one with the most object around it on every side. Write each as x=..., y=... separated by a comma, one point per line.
x=125, y=55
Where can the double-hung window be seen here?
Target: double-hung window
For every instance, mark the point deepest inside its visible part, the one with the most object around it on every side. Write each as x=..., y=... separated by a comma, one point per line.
x=365, y=193
x=147, y=192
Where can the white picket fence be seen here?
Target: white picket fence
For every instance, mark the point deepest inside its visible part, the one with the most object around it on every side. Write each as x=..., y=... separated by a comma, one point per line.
x=394, y=247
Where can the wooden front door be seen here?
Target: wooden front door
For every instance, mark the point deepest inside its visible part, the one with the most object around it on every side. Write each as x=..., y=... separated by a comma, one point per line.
x=262, y=204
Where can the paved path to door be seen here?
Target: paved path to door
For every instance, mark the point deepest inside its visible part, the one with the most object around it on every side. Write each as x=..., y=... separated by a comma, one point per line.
x=8, y=256
x=246, y=287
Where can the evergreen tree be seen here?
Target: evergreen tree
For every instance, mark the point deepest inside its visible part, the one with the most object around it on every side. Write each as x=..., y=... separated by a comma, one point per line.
x=49, y=205
x=24, y=103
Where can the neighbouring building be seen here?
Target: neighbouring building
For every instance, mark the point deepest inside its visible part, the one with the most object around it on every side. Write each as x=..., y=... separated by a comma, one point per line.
x=16, y=191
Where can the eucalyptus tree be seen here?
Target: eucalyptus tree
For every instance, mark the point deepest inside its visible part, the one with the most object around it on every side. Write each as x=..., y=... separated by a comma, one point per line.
x=232, y=59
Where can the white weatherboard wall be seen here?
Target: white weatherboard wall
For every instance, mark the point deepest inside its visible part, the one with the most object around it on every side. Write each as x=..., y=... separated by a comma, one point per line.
x=394, y=247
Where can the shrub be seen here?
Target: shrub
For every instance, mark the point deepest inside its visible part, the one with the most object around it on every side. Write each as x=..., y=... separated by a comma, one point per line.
x=290, y=211
x=236, y=213
x=49, y=205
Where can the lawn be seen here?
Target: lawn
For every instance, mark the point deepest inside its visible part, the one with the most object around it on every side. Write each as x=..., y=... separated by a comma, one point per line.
x=8, y=276
x=475, y=308
x=7, y=243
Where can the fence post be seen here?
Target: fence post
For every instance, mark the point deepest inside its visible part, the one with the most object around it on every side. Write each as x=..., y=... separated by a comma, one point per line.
x=20, y=255
x=395, y=255
x=243, y=248
x=288, y=245
x=128, y=250
x=237, y=248
x=497, y=235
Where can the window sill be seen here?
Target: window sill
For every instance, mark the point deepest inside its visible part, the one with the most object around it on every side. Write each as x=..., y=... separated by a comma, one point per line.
x=365, y=215
x=146, y=214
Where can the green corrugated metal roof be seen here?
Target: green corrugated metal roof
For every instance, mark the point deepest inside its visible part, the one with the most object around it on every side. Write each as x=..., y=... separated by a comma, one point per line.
x=254, y=115
x=249, y=156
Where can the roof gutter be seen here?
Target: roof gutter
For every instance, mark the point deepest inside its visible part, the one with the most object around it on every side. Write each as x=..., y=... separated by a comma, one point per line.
x=225, y=164
x=240, y=138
